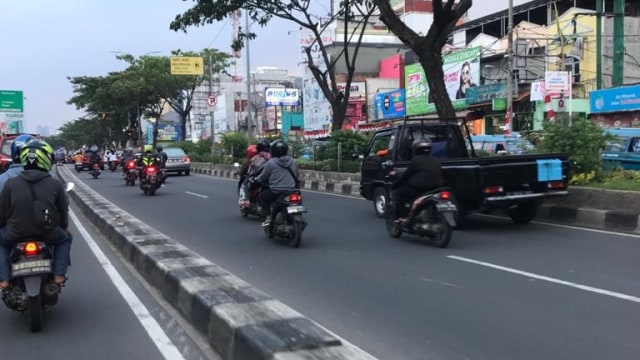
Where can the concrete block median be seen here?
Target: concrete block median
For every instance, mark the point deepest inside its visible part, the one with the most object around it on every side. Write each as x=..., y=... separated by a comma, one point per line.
x=238, y=320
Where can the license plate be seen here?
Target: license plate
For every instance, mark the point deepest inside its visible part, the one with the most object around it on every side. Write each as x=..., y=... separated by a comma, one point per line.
x=31, y=267
x=296, y=209
x=518, y=192
x=447, y=206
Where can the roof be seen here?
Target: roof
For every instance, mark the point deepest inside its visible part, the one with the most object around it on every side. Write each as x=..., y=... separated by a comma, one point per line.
x=501, y=14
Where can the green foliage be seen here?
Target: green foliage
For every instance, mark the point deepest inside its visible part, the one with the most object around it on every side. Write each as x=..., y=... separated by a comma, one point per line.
x=235, y=143
x=582, y=141
x=353, y=144
x=348, y=166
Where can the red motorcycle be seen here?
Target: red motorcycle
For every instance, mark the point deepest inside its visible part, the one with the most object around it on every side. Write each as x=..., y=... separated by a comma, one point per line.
x=130, y=173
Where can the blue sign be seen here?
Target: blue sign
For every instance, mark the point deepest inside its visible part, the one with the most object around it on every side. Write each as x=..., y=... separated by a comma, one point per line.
x=485, y=93
x=389, y=105
x=626, y=98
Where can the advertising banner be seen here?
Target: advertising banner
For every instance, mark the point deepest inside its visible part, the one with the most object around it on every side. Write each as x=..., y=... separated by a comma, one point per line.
x=281, y=97
x=626, y=98
x=557, y=84
x=356, y=91
x=461, y=72
x=390, y=105
x=317, y=110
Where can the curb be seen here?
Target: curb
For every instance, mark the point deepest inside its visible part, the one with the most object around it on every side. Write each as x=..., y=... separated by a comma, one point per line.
x=239, y=321
x=610, y=220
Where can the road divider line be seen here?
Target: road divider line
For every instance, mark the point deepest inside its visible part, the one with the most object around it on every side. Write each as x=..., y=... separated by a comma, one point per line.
x=166, y=347
x=196, y=194
x=549, y=279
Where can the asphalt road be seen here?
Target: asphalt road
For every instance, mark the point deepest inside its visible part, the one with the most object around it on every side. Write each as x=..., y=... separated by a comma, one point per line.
x=500, y=291
x=92, y=320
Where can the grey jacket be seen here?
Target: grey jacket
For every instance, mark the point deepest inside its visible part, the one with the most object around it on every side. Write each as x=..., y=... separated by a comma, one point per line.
x=276, y=175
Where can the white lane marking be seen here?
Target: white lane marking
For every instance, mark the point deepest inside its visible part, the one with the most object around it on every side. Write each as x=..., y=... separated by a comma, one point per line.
x=549, y=279
x=167, y=348
x=196, y=194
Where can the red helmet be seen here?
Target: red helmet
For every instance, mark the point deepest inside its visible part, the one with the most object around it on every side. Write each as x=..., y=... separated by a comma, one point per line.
x=252, y=151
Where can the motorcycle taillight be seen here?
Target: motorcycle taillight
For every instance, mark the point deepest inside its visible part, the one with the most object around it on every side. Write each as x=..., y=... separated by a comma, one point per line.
x=131, y=165
x=151, y=170
x=445, y=195
x=31, y=248
x=295, y=198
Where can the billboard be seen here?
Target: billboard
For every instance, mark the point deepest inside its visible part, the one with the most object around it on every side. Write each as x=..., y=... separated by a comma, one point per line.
x=281, y=97
x=317, y=110
x=11, y=101
x=557, y=84
x=461, y=71
x=389, y=105
x=626, y=98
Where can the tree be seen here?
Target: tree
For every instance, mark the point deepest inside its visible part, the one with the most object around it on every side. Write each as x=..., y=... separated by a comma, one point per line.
x=353, y=15
x=428, y=48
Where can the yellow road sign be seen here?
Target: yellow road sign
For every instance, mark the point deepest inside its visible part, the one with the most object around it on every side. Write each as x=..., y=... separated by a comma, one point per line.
x=187, y=65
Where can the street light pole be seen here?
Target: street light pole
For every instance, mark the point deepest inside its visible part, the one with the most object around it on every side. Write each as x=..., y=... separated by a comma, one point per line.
x=248, y=70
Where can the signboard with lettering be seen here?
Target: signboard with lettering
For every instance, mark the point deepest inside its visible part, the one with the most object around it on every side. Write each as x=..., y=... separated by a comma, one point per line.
x=626, y=98
x=11, y=101
x=281, y=97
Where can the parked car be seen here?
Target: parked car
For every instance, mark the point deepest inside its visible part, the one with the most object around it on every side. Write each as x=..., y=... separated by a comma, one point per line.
x=177, y=161
x=623, y=150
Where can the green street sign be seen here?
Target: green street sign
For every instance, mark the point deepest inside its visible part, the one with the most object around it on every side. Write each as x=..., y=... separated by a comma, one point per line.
x=11, y=101
x=499, y=104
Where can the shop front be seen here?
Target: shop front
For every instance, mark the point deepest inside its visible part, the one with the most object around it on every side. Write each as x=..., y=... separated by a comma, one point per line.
x=491, y=100
x=615, y=107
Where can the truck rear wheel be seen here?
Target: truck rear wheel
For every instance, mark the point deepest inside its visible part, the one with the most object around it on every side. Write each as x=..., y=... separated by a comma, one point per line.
x=523, y=213
x=380, y=200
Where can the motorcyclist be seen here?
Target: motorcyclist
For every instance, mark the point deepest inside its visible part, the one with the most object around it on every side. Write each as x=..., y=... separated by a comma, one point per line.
x=422, y=174
x=127, y=156
x=163, y=155
x=252, y=151
x=147, y=158
x=257, y=163
x=94, y=157
x=16, y=166
x=17, y=219
x=280, y=175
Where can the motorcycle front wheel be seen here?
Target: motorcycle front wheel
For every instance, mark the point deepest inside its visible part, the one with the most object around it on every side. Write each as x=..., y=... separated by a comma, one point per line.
x=393, y=227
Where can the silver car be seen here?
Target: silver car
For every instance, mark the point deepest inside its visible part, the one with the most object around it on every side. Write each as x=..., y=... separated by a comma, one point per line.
x=177, y=161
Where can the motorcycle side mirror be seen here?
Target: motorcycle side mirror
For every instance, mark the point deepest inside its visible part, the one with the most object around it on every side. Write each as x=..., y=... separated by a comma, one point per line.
x=235, y=165
x=69, y=186
x=386, y=164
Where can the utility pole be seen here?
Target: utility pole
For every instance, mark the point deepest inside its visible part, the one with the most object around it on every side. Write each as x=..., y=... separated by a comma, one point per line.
x=212, y=112
x=509, y=116
x=599, y=11
x=618, y=43
x=248, y=75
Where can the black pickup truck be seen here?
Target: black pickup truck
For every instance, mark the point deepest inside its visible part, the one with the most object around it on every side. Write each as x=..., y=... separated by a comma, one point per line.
x=480, y=184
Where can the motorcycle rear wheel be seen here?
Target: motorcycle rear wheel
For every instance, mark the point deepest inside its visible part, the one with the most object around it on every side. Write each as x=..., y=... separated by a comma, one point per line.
x=35, y=313
x=295, y=240
x=443, y=238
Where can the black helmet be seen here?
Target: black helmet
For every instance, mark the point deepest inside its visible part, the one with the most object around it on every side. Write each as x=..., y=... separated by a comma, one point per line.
x=279, y=148
x=421, y=145
x=159, y=148
x=263, y=145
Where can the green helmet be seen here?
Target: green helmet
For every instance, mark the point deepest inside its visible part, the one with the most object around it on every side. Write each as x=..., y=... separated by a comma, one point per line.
x=37, y=154
x=148, y=148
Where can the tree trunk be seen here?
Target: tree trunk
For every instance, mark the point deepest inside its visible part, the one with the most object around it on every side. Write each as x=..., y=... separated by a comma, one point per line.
x=432, y=65
x=183, y=127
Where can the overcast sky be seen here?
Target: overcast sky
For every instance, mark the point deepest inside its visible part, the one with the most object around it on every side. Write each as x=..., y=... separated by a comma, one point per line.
x=44, y=42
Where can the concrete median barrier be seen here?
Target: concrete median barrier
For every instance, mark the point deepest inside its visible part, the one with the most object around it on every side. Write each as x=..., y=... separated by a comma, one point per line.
x=584, y=207
x=239, y=321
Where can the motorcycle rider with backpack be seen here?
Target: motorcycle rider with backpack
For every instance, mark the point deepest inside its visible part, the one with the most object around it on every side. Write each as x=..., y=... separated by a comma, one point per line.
x=16, y=166
x=280, y=175
x=23, y=200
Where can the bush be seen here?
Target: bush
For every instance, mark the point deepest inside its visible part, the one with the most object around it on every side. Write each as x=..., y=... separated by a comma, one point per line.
x=347, y=166
x=582, y=140
x=352, y=144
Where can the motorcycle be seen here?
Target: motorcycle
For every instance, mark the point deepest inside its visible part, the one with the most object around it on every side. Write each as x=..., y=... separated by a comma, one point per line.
x=287, y=222
x=113, y=165
x=95, y=171
x=130, y=173
x=150, y=180
x=32, y=289
x=431, y=216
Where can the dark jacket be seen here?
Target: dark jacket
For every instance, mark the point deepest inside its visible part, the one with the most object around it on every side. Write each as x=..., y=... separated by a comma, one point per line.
x=16, y=205
x=423, y=173
x=276, y=175
x=244, y=169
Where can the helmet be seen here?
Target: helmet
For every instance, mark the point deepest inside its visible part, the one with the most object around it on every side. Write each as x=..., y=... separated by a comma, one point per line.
x=421, y=145
x=252, y=150
x=17, y=145
x=279, y=148
x=159, y=148
x=147, y=148
x=263, y=145
x=36, y=154
x=93, y=149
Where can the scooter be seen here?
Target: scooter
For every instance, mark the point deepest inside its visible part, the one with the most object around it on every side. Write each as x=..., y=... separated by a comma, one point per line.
x=287, y=221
